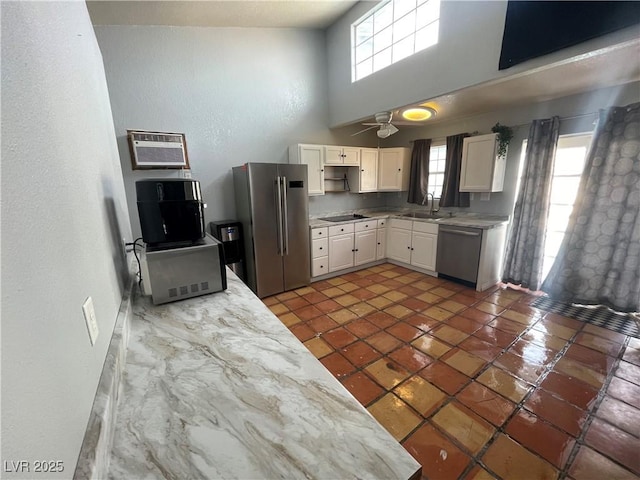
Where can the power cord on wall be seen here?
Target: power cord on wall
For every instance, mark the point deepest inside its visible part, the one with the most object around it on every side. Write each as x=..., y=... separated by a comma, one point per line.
x=135, y=244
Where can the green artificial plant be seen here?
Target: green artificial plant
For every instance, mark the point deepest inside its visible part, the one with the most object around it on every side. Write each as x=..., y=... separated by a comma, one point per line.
x=505, y=134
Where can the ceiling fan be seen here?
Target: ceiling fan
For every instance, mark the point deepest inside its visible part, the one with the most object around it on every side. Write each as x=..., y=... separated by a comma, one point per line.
x=383, y=120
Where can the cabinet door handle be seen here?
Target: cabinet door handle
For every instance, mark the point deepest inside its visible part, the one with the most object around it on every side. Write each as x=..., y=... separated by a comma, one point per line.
x=320, y=248
x=399, y=170
x=362, y=170
x=342, y=229
x=408, y=248
x=378, y=243
x=411, y=248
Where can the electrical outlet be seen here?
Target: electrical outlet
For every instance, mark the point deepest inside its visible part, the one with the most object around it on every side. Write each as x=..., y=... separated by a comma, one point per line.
x=90, y=319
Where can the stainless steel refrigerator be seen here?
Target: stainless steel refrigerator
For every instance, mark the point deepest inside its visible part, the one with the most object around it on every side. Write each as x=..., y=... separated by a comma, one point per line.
x=273, y=205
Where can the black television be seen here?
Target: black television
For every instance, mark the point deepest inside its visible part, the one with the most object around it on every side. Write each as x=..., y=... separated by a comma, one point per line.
x=536, y=28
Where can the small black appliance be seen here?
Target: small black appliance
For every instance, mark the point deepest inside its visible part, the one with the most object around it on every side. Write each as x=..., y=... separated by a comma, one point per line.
x=171, y=212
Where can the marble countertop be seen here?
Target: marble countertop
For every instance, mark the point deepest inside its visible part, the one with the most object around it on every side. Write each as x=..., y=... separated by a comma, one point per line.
x=476, y=220
x=217, y=387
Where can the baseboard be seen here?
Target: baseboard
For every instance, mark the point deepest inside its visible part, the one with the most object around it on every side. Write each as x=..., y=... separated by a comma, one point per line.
x=93, y=460
x=348, y=270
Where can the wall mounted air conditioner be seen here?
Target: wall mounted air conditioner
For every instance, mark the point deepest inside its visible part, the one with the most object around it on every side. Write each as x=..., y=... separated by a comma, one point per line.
x=157, y=150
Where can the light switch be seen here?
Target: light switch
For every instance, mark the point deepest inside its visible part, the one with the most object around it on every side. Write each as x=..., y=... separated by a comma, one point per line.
x=90, y=319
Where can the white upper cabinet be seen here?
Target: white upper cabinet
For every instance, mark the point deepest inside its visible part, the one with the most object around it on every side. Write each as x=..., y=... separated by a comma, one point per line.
x=347, y=156
x=393, y=169
x=313, y=157
x=365, y=178
x=482, y=169
x=354, y=169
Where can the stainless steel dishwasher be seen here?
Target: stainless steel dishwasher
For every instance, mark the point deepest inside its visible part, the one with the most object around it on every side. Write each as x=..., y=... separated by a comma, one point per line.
x=459, y=252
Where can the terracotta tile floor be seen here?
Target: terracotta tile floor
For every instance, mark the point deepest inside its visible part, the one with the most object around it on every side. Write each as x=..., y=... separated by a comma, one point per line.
x=475, y=385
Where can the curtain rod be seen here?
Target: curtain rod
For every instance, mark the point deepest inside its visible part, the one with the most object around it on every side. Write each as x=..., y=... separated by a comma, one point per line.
x=571, y=117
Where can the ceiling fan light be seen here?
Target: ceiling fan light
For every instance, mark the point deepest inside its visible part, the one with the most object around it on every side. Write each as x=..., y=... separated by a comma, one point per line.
x=383, y=132
x=418, y=114
x=386, y=130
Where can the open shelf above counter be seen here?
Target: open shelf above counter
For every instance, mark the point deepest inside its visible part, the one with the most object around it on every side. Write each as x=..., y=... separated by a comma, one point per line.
x=335, y=179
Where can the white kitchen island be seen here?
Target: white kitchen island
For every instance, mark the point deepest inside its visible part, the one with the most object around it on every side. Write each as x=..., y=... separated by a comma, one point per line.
x=217, y=387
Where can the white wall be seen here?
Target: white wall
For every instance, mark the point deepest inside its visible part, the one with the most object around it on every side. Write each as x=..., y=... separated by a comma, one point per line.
x=467, y=54
x=520, y=118
x=239, y=94
x=63, y=215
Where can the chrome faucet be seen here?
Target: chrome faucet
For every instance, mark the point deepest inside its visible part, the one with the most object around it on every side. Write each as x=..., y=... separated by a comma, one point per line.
x=432, y=210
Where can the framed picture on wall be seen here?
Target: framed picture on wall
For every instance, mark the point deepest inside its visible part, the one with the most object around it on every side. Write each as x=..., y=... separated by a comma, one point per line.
x=157, y=150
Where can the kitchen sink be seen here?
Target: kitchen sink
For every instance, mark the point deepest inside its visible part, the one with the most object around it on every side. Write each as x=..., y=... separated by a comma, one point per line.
x=422, y=215
x=343, y=218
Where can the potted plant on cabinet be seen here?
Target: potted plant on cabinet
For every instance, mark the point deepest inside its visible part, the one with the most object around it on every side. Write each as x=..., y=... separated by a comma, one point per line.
x=505, y=134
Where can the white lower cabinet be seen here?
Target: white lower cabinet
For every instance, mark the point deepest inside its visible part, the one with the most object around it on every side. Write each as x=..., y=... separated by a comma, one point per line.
x=319, y=257
x=340, y=252
x=344, y=246
x=319, y=251
x=340, y=246
x=365, y=247
x=412, y=242
x=423, y=250
x=399, y=243
x=319, y=266
x=381, y=239
x=348, y=245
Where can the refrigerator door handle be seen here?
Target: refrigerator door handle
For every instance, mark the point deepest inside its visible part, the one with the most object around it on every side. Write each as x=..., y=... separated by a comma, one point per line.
x=285, y=215
x=280, y=236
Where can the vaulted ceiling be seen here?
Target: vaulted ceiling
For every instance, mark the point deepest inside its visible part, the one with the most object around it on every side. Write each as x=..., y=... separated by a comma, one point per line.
x=223, y=13
x=614, y=65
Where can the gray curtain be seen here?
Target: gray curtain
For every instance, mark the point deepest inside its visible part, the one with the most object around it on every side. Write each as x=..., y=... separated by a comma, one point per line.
x=419, y=173
x=451, y=196
x=525, y=248
x=598, y=261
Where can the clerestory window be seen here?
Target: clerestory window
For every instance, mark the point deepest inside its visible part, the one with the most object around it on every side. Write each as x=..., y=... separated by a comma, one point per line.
x=393, y=30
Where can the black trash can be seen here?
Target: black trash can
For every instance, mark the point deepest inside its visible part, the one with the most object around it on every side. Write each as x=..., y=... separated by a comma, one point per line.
x=229, y=232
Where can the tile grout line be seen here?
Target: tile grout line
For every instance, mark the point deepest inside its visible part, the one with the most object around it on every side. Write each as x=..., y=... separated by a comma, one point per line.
x=580, y=440
x=475, y=459
x=520, y=405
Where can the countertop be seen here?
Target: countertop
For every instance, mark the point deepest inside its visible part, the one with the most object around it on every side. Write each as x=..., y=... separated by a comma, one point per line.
x=475, y=220
x=217, y=387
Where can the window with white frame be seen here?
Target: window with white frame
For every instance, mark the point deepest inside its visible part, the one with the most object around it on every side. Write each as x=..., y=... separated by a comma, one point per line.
x=393, y=30
x=571, y=154
x=437, y=160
